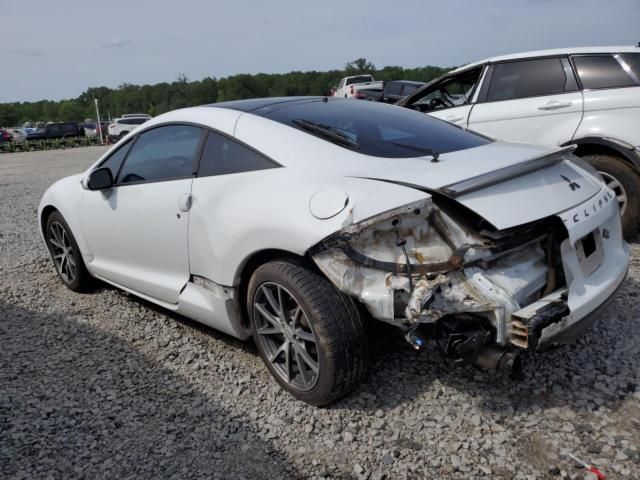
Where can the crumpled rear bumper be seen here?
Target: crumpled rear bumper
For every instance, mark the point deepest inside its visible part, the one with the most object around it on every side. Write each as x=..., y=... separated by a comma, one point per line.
x=593, y=280
x=572, y=331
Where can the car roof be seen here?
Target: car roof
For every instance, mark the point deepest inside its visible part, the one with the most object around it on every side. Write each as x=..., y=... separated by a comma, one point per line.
x=551, y=52
x=407, y=82
x=252, y=104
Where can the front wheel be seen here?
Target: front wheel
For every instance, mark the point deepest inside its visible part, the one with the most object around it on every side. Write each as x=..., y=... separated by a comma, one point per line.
x=625, y=183
x=310, y=336
x=66, y=255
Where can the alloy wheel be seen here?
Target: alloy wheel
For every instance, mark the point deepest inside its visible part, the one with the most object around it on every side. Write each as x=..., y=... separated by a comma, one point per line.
x=286, y=336
x=618, y=189
x=62, y=252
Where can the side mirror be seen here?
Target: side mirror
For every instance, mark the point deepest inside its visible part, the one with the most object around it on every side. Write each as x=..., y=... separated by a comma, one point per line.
x=100, y=179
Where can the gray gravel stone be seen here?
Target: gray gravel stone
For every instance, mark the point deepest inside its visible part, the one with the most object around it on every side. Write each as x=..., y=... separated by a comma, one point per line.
x=106, y=385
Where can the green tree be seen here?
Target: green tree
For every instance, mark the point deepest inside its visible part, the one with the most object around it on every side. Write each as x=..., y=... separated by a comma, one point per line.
x=358, y=66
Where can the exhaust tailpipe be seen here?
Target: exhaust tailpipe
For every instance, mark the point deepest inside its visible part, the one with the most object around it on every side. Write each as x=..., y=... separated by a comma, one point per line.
x=501, y=359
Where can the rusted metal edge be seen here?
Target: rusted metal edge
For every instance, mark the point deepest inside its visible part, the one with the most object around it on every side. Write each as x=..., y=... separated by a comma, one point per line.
x=455, y=262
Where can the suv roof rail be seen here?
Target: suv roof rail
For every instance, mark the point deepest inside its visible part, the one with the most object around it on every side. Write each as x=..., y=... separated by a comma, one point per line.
x=131, y=115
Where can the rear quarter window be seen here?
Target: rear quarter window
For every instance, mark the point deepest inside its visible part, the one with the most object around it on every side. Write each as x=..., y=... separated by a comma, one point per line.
x=601, y=71
x=222, y=156
x=632, y=61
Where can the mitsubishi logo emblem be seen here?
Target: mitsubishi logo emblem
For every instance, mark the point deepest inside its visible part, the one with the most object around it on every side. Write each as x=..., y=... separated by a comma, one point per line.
x=572, y=185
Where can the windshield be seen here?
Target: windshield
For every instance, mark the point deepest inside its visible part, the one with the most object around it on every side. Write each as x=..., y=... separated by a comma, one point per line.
x=374, y=129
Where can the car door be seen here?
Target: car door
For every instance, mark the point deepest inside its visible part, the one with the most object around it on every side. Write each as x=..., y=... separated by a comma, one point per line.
x=451, y=98
x=226, y=164
x=530, y=100
x=137, y=230
x=611, y=84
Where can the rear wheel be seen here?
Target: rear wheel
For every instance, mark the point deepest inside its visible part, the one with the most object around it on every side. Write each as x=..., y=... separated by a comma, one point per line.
x=625, y=183
x=310, y=336
x=65, y=254
x=122, y=135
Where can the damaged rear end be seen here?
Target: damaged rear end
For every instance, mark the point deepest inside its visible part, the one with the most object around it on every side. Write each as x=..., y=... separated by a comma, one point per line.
x=456, y=269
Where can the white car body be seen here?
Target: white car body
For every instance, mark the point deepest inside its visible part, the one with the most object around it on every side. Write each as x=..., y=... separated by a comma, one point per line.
x=349, y=86
x=184, y=244
x=597, y=108
x=120, y=127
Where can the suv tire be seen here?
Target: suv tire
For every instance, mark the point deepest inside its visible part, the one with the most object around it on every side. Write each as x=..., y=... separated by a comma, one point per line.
x=625, y=182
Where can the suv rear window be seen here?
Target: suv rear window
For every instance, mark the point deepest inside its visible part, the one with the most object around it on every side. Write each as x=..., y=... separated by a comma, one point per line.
x=528, y=78
x=601, y=71
x=373, y=128
x=632, y=61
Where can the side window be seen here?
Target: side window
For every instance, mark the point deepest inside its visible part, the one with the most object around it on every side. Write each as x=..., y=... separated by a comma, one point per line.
x=601, y=71
x=114, y=160
x=137, y=121
x=408, y=90
x=394, y=88
x=528, y=78
x=162, y=153
x=632, y=63
x=222, y=155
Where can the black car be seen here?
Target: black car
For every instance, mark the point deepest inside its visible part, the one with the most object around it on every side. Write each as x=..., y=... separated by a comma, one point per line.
x=393, y=91
x=63, y=130
x=5, y=136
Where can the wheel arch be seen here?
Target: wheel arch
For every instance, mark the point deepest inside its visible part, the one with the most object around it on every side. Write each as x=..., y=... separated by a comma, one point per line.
x=250, y=265
x=606, y=146
x=44, y=215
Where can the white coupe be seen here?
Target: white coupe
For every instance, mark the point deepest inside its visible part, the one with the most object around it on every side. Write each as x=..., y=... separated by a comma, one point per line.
x=299, y=221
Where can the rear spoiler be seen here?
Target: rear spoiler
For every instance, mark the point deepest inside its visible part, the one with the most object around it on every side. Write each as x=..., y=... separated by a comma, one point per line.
x=491, y=178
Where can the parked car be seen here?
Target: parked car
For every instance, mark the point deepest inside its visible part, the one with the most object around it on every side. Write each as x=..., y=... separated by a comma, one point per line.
x=62, y=130
x=300, y=224
x=392, y=91
x=30, y=133
x=120, y=127
x=5, y=135
x=589, y=97
x=349, y=86
x=135, y=115
x=17, y=135
x=91, y=129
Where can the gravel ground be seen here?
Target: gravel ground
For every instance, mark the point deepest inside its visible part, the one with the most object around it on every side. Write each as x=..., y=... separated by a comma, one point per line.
x=105, y=385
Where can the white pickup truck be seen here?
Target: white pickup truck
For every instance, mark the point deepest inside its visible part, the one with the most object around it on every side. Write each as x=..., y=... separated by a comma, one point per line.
x=349, y=86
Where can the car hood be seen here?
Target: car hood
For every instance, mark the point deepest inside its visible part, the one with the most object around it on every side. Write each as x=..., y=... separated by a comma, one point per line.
x=507, y=184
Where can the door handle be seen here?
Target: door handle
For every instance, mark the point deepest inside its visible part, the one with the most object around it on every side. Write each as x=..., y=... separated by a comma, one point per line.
x=554, y=105
x=453, y=118
x=184, y=202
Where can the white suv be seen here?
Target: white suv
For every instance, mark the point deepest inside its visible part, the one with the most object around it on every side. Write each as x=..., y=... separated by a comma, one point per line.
x=589, y=97
x=119, y=127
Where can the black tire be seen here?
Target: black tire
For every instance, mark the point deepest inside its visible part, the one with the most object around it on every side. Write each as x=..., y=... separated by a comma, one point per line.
x=122, y=134
x=81, y=280
x=340, y=341
x=629, y=181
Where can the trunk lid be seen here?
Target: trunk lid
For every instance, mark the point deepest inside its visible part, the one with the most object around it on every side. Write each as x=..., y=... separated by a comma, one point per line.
x=505, y=192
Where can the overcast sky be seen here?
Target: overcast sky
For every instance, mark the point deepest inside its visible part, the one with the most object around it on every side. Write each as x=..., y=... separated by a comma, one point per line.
x=58, y=49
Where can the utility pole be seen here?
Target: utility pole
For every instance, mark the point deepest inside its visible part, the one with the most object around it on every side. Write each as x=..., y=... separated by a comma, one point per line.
x=98, y=124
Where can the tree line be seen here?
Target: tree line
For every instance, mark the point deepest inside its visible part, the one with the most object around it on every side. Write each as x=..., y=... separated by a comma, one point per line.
x=163, y=97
